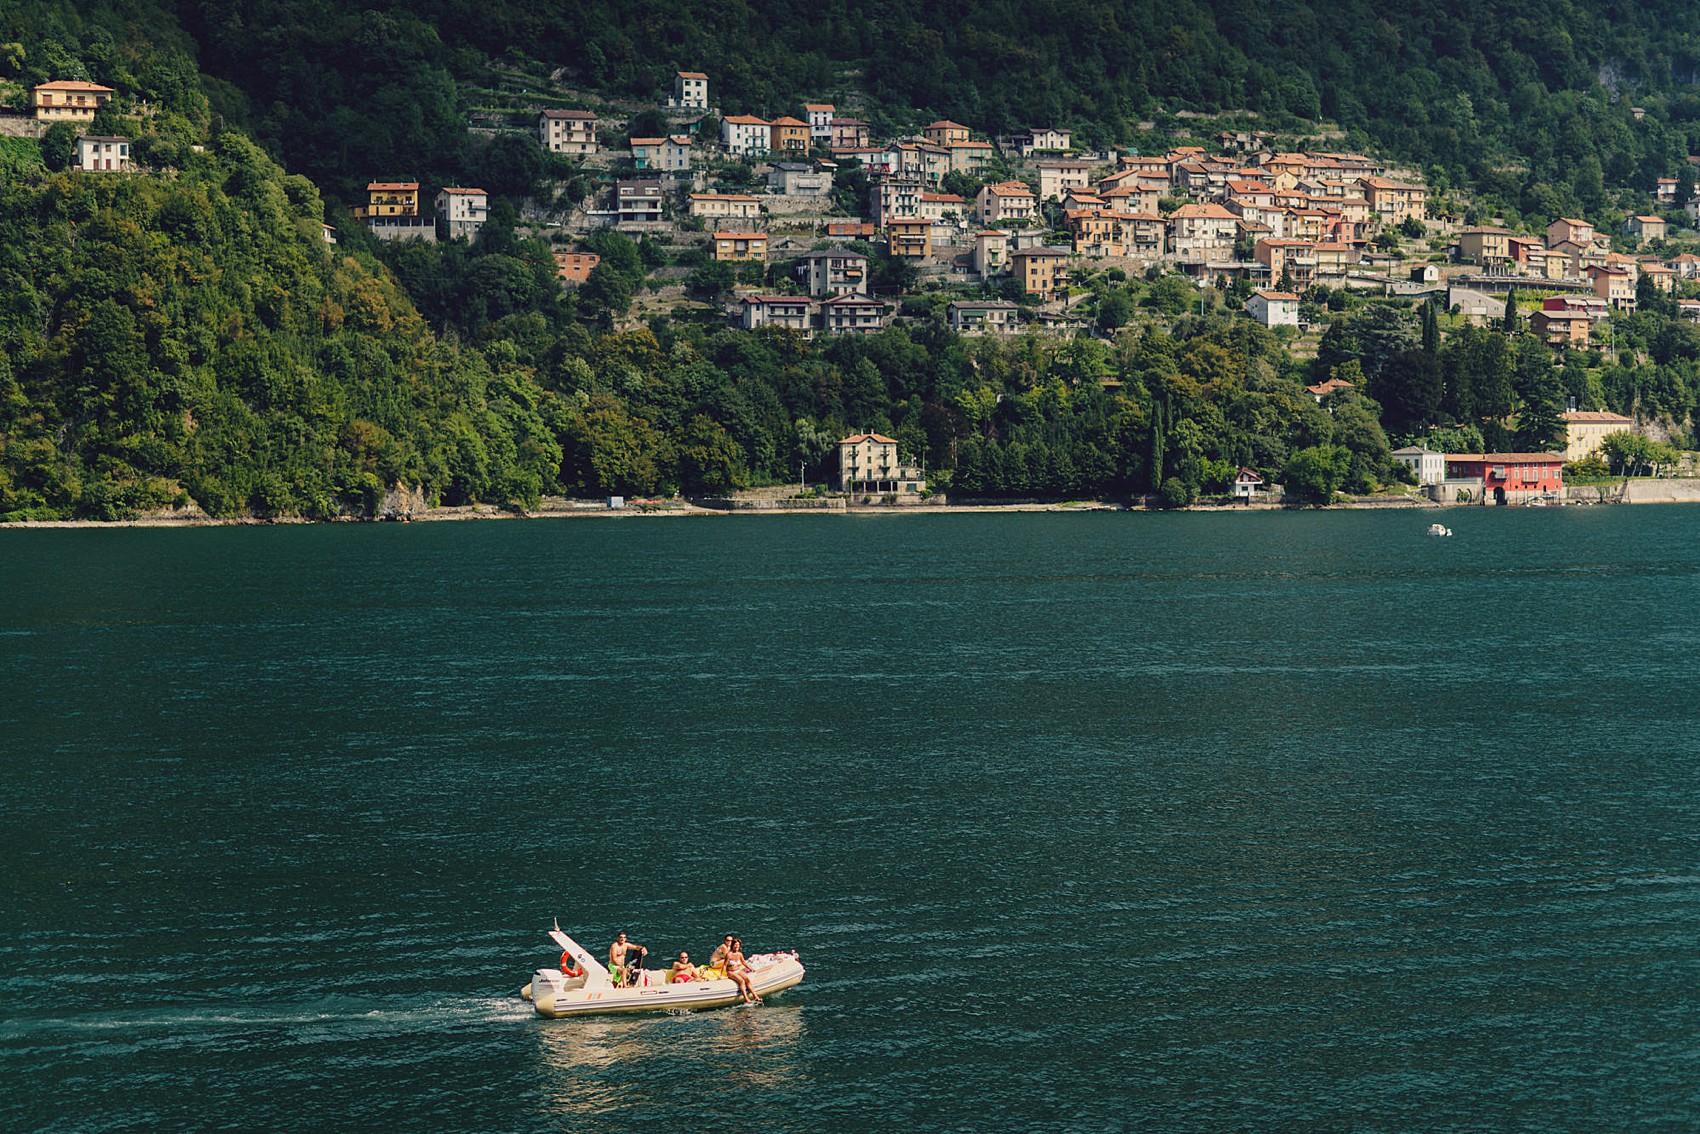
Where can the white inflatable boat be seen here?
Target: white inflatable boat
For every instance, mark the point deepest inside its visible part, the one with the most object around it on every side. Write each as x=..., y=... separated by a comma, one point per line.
x=591, y=990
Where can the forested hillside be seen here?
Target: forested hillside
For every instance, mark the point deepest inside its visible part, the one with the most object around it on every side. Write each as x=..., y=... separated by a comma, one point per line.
x=195, y=336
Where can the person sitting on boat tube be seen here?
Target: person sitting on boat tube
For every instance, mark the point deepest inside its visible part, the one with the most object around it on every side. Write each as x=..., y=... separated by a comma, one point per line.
x=622, y=965
x=739, y=970
x=682, y=970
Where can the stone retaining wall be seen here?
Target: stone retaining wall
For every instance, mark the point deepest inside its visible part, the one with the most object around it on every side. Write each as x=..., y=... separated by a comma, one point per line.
x=20, y=126
x=1662, y=491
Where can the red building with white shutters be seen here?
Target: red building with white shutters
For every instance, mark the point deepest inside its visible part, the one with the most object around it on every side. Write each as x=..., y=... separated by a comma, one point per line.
x=1509, y=478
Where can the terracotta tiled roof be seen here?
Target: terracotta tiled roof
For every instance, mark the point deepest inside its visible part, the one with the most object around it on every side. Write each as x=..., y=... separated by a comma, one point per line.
x=73, y=85
x=1203, y=212
x=1509, y=458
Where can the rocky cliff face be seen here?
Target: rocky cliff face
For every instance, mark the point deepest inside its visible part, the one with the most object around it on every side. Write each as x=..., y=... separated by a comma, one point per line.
x=402, y=502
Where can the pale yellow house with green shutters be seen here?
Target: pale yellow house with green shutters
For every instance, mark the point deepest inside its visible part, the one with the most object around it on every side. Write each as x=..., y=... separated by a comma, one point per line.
x=867, y=462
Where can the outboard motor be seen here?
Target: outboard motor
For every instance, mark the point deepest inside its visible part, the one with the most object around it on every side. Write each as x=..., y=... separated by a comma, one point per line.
x=546, y=982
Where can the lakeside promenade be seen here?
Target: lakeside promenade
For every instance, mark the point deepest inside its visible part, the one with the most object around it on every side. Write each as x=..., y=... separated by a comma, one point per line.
x=769, y=502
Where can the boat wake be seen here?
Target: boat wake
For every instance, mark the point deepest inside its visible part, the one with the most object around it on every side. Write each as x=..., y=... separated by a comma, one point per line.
x=323, y=1018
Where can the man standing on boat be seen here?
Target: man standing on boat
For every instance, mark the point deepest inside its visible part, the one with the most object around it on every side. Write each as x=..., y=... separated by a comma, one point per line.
x=619, y=963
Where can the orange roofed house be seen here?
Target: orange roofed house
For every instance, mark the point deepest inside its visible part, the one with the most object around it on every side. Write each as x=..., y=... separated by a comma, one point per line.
x=820, y=115
x=1004, y=202
x=944, y=132
x=746, y=134
x=574, y=267
x=391, y=212
x=868, y=462
x=70, y=101
x=1199, y=233
x=911, y=237
x=789, y=135
x=738, y=246
x=465, y=210
x=1562, y=326
x=690, y=90
x=1394, y=202
x=568, y=131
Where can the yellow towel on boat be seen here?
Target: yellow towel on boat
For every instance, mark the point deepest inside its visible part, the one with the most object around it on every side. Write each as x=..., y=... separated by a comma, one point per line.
x=711, y=972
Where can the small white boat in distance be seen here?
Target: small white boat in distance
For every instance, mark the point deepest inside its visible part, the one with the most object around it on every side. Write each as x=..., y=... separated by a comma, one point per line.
x=592, y=992
x=1439, y=530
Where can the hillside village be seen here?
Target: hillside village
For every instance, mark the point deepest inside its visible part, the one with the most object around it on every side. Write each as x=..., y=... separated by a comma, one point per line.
x=1037, y=218
x=1010, y=229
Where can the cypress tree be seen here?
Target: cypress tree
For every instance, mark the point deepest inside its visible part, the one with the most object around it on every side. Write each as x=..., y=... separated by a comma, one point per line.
x=1157, y=439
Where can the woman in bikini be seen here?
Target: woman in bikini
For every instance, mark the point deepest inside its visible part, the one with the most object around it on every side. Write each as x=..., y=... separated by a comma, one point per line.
x=739, y=970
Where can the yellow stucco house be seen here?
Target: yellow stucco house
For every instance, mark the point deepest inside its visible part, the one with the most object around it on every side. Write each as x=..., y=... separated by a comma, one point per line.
x=70, y=101
x=1585, y=429
x=737, y=246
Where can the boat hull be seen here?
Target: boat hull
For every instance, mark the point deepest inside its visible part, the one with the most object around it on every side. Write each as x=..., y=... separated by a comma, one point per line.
x=688, y=996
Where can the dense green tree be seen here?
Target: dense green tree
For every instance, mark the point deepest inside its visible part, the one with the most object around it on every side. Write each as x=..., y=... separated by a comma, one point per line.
x=1540, y=420
x=608, y=450
x=1173, y=295
x=1316, y=474
x=710, y=461
x=1631, y=454
x=58, y=146
x=712, y=282
x=606, y=292
x=1409, y=389
x=1114, y=310
x=649, y=123
x=1357, y=430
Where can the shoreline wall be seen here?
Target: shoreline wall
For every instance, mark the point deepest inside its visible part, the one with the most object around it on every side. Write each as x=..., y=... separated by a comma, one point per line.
x=1662, y=491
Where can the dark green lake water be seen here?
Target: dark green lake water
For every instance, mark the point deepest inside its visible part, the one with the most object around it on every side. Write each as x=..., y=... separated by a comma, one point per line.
x=1079, y=822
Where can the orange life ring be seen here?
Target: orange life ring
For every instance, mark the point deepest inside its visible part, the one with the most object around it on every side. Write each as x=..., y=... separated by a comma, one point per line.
x=567, y=968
